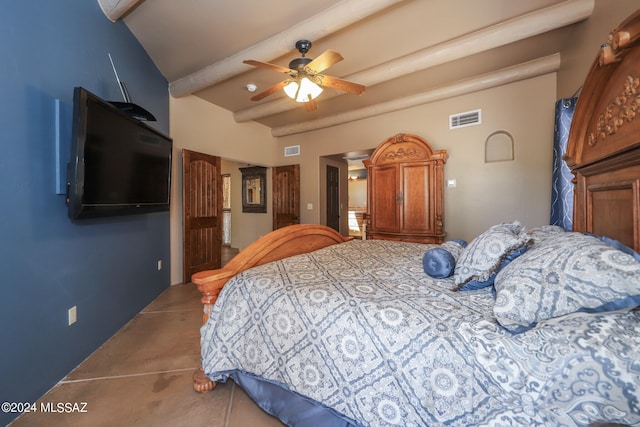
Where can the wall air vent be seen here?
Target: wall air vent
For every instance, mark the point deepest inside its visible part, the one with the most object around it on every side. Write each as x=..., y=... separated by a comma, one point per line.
x=468, y=118
x=292, y=150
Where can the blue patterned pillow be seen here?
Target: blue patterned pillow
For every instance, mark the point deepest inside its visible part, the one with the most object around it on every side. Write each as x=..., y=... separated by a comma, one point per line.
x=537, y=234
x=618, y=245
x=473, y=285
x=484, y=256
x=568, y=273
x=440, y=262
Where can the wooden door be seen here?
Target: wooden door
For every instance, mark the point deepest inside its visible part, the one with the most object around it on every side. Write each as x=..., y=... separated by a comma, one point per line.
x=202, y=215
x=384, y=198
x=286, y=196
x=333, y=197
x=417, y=213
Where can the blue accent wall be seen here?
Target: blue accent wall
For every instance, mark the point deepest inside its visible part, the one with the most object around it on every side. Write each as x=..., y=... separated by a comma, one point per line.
x=105, y=267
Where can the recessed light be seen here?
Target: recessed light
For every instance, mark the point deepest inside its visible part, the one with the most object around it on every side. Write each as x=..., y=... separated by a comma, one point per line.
x=251, y=87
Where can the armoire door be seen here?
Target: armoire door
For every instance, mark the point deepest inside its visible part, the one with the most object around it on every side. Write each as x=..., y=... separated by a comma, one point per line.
x=417, y=213
x=384, y=199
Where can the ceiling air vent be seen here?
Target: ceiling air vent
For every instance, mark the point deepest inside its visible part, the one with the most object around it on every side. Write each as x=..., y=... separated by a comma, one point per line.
x=292, y=150
x=468, y=118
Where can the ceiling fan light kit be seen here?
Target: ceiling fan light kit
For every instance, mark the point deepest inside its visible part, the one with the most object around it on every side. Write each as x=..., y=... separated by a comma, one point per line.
x=305, y=91
x=306, y=82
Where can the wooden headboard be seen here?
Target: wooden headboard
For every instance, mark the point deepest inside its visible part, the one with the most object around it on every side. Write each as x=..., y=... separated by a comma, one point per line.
x=603, y=150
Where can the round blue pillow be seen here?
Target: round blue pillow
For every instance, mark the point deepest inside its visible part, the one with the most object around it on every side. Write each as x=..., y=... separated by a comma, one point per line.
x=438, y=263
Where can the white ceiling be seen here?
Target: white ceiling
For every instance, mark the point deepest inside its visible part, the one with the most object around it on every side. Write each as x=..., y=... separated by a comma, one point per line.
x=406, y=52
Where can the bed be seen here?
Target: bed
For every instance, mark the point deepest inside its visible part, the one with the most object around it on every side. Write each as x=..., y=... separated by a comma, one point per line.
x=520, y=326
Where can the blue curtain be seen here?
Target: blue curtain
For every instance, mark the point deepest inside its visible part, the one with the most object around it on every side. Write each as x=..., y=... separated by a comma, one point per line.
x=561, y=185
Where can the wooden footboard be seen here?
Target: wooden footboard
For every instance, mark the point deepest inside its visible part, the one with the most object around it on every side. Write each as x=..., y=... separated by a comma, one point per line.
x=279, y=244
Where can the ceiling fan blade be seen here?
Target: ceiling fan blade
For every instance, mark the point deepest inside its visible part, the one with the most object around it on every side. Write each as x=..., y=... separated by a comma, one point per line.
x=324, y=61
x=269, y=91
x=311, y=105
x=343, y=85
x=268, y=66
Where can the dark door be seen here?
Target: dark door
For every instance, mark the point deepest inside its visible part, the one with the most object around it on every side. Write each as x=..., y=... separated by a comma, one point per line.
x=202, y=215
x=333, y=197
x=286, y=196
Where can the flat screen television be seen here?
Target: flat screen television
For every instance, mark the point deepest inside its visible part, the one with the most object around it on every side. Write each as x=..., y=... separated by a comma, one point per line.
x=119, y=165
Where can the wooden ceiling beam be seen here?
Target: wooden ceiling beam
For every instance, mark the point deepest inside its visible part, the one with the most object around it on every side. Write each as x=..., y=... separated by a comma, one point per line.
x=116, y=9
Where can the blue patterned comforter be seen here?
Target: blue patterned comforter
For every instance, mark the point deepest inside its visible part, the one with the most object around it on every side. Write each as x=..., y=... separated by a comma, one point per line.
x=360, y=328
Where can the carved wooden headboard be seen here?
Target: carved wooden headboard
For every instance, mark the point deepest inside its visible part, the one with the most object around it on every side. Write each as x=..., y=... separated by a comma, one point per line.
x=603, y=150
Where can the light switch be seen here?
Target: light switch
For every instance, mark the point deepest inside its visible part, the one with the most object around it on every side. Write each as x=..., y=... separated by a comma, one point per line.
x=451, y=183
x=72, y=315
x=309, y=206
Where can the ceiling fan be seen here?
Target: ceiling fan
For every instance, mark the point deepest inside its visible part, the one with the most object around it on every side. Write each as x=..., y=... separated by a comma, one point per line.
x=306, y=82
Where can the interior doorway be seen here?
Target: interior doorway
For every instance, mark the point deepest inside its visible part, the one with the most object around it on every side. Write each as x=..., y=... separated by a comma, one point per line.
x=351, y=193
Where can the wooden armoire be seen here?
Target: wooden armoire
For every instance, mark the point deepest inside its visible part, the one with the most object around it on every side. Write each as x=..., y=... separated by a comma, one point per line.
x=405, y=191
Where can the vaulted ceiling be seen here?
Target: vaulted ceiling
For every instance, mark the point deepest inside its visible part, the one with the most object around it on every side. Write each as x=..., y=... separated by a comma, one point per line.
x=406, y=52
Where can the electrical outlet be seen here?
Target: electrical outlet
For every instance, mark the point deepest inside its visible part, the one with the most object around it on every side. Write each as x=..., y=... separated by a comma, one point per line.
x=159, y=264
x=73, y=315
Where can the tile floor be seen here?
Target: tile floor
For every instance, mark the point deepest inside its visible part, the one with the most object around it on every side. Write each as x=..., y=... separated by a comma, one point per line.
x=142, y=377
